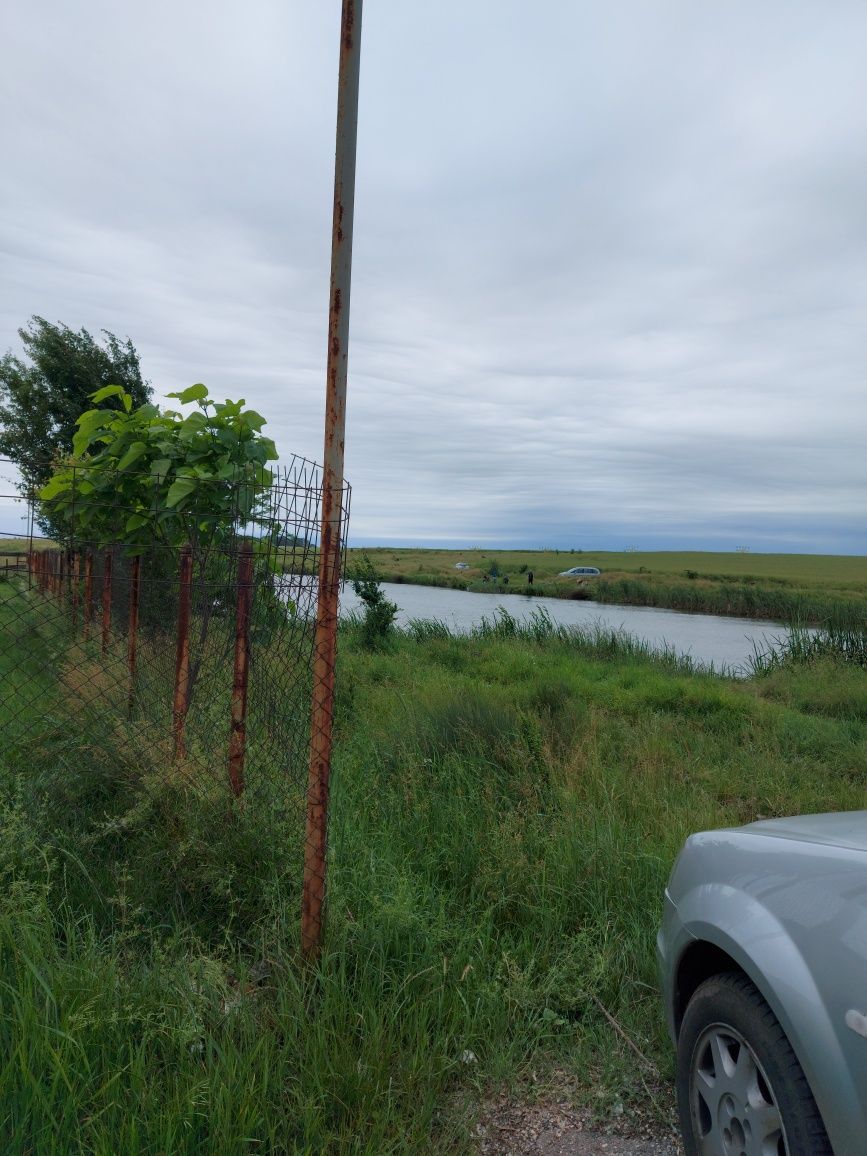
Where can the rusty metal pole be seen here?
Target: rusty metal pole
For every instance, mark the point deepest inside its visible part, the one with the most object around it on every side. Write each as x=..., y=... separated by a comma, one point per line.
x=106, y=599
x=238, y=734
x=182, y=657
x=88, y=592
x=132, y=635
x=325, y=645
x=76, y=569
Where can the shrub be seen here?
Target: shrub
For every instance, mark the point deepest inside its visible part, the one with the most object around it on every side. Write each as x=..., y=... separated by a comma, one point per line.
x=379, y=614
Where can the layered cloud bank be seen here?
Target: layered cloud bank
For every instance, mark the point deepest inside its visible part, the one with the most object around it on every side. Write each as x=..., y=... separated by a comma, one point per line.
x=610, y=282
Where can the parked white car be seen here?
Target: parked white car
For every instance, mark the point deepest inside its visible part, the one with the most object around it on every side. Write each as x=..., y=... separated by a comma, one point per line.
x=581, y=572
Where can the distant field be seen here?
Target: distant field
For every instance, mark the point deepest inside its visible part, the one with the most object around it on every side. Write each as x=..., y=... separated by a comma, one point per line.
x=837, y=570
x=22, y=545
x=803, y=588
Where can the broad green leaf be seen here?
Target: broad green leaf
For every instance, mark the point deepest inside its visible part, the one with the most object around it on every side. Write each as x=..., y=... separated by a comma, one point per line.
x=52, y=488
x=179, y=489
x=161, y=466
x=92, y=417
x=136, y=521
x=197, y=392
x=107, y=391
x=83, y=440
x=132, y=455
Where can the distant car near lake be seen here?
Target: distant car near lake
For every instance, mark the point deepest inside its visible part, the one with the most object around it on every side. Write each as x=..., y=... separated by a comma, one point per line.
x=581, y=572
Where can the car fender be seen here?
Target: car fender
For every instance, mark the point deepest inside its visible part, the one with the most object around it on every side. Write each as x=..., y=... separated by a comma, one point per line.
x=747, y=931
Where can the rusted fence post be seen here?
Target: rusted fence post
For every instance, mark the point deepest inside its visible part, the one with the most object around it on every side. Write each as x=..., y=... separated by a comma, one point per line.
x=76, y=575
x=238, y=734
x=106, y=599
x=132, y=634
x=61, y=576
x=325, y=645
x=182, y=658
x=88, y=592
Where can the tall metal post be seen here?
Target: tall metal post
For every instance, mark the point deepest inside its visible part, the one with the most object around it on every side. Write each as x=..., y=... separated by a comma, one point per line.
x=106, y=599
x=241, y=671
x=132, y=629
x=325, y=645
x=180, y=703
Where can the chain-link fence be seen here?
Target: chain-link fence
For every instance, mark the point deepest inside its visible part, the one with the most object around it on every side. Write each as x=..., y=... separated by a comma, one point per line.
x=182, y=659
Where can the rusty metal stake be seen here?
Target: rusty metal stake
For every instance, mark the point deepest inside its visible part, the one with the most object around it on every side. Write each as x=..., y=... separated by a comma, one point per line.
x=325, y=645
x=88, y=592
x=132, y=635
x=106, y=600
x=182, y=659
x=238, y=734
x=76, y=568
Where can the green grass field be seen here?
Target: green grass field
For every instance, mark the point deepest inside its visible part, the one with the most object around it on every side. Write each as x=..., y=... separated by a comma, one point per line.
x=833, y=571
x=506, y=809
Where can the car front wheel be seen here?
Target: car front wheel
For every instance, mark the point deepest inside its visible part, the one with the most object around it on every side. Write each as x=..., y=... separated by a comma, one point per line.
x=740, y=1088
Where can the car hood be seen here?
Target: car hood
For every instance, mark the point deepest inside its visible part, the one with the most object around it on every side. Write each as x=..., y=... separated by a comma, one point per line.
x=838, y=829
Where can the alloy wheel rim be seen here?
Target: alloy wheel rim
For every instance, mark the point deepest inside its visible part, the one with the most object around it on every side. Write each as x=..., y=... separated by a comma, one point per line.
x=733, y=1107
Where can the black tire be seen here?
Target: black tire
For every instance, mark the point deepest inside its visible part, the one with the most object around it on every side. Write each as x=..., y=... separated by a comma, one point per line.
x=738, y=1078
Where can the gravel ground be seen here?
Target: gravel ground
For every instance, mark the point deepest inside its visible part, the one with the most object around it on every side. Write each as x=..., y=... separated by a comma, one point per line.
x=559, y=1129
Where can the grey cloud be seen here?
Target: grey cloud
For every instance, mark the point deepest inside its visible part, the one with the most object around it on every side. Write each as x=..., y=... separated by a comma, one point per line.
x=611, y=261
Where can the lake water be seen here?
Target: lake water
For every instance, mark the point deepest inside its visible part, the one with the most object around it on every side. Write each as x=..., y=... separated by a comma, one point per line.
x=706, y=638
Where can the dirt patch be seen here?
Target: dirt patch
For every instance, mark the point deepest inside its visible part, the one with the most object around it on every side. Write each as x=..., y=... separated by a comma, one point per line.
x=558, y=1129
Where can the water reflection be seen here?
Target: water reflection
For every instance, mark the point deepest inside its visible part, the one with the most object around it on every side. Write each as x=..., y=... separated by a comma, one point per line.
x=727, y=643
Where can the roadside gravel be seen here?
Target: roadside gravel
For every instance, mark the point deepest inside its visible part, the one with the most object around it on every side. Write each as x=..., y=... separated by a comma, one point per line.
x=559, y=1129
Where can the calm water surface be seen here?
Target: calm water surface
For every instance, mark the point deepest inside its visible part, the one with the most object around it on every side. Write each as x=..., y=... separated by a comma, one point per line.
x=706, y=638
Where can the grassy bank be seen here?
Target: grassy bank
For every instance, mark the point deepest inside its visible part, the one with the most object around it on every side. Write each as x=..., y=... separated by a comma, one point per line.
x=804, y=588
x=506, y=808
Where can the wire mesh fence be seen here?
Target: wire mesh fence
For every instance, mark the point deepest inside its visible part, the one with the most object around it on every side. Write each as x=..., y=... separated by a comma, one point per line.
x=173, y=654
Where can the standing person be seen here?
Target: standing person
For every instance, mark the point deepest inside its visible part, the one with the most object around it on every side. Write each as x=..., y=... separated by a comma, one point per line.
x=529, y=577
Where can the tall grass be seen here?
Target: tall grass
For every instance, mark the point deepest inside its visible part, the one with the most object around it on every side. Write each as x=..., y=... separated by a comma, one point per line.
x=841, y=644
x=506, y=807
x=747, y=596
x=741, y=599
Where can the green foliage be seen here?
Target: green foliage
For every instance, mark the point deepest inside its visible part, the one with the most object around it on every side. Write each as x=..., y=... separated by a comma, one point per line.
x=503, y=821
x=42, y=397
x=139, y=475
x=379, y=613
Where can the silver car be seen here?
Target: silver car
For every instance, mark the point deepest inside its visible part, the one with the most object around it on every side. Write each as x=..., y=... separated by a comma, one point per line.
x=763, y=959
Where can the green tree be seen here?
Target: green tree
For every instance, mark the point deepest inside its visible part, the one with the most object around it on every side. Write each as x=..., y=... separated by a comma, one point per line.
x=141, y=476
x=42, y=396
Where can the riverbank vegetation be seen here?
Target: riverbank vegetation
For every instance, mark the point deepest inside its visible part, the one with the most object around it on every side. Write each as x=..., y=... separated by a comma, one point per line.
x=506, y=808
x=806, y=588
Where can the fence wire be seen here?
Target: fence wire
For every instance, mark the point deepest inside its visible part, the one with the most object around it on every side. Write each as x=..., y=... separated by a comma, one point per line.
x=180, y=664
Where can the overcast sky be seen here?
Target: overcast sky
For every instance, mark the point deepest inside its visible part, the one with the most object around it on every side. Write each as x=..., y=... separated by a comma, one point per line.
x=610, y=271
